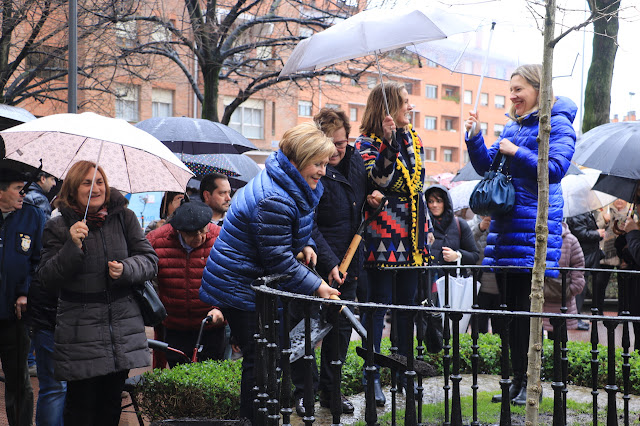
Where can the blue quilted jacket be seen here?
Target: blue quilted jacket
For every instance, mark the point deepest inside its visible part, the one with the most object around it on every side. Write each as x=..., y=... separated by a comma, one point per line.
x=269, y=222
x=512, y=238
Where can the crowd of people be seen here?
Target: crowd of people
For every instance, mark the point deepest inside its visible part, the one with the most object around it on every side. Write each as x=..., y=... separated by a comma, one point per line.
x=74, y=269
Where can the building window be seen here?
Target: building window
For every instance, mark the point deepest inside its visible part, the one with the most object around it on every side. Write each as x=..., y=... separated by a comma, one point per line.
x=126, y=33
x=430, y=154
x=354, y=82
x=497, y=129
x=332, y=78
x=431, y=91
x=128, y=102
x=304, y=108
x=415, y=119
x=449, y=124
x=160, y=34
x=484, y=127
x=484, y=99
x=332, y=106
x=248, y=119
x=353, y=114
x=468, y=97
x=371, y=82
x=47, y=62
x=409, y=88
x=465, y=157
x=161, y=103
x=305, y=32
x=430, y=123
x=499, y=101
x=447, y=155
x=431, y=64
x=264, y=53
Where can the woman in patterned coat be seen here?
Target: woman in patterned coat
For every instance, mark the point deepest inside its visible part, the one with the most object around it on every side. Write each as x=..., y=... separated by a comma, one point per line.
x=397, y=236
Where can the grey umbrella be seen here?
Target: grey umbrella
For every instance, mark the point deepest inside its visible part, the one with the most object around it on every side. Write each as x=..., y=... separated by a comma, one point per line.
x=612, y=148
x=196, y=136
x=12, y=116
x=240, y=169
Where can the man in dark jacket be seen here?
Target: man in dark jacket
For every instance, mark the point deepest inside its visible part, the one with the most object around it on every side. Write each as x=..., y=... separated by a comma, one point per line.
x=585, y=228
x=38, y=190
x=21, y=227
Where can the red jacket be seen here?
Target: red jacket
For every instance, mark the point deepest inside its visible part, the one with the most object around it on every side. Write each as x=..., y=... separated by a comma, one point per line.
x=180, y=276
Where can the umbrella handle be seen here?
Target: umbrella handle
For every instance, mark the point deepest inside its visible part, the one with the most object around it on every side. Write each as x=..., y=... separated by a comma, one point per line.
x=93, y=181
x=484, y=71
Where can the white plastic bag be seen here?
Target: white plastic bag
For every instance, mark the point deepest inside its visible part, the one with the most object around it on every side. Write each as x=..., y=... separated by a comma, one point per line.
x=460, y=295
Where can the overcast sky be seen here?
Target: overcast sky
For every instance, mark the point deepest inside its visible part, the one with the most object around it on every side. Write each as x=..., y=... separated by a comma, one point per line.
x=519, y=37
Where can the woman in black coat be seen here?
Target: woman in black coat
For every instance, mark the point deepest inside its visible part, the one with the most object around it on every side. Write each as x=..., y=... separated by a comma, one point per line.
x=453, y=237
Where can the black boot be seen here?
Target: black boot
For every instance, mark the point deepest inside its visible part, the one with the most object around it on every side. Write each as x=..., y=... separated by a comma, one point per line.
x=514, y=390
x=521, y=398
x=380, y=398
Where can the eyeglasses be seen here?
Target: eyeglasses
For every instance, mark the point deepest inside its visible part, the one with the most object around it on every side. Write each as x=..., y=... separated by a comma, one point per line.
x=341, y=144
x=192, y=234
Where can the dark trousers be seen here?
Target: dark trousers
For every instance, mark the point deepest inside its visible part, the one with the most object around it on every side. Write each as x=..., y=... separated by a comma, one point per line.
x=490, y=302
x=380, y=291
x=95, y=401
x=600, y=283
x=518, y=288
x=18, y=394
x=212, y=341
x=628, y=294
x=243, y=326
x=343, y=332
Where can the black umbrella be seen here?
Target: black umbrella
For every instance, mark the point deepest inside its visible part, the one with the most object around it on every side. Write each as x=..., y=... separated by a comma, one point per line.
x=196, y=136
x=467, y=173
x=620, y=187
x=612, y=148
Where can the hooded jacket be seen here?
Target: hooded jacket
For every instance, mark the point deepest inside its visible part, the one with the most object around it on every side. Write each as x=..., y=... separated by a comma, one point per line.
x=38, y=198
x=269, y=222
x=447, y=233
x=95, y=338
x=512, y=237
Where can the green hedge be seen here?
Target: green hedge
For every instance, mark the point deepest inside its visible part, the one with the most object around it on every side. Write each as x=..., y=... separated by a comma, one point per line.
x=212, y=389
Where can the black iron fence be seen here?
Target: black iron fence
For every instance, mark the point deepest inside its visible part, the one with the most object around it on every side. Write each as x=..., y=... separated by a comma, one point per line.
x=273, y=396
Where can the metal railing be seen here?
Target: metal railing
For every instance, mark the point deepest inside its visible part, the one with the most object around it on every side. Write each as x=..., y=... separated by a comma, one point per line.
x=273, y=396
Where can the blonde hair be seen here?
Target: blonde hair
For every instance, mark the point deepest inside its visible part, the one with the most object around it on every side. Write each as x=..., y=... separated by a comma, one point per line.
x=330, y=120
x=532, y=73
x=375, y=111
x=68, y=195
x=305, y=143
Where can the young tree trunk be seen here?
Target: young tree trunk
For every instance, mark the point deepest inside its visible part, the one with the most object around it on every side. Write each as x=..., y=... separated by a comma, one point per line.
x=211, y=82
x=597, y=94
x=534, y=386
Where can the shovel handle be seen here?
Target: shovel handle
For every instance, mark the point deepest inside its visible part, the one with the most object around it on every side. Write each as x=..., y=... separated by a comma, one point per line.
x=348, y=256
x=351, y=318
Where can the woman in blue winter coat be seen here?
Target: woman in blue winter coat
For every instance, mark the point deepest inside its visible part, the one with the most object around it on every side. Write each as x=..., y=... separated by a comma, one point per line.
x=269, y=222
x=512, y=237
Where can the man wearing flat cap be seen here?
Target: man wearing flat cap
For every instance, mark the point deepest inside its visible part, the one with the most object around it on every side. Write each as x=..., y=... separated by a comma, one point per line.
x=21, y=227
x=183, y=246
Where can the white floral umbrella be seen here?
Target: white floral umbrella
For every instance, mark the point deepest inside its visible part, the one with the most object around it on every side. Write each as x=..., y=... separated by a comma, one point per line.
x=133, y=160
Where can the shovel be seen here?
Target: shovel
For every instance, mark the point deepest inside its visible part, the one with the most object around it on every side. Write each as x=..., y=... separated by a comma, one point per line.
x=319, y=326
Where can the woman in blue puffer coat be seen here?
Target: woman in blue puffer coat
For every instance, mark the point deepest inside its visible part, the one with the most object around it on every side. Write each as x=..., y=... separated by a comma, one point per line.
x=512, y=237
x=269, y=222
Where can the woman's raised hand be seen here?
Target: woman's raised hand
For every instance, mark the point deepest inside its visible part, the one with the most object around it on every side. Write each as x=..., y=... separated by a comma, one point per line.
x=78, y=233
x=473, y=119
x=388, y=127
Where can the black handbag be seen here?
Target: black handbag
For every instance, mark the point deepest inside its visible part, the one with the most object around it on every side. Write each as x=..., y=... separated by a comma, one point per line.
x=494, y=194
x=151, y=307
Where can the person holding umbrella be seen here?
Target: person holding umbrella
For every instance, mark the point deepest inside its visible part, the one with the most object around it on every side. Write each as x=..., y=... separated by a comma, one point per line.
x=94, y=253
x=268, y=224
x=511, y=239
x=392, y=153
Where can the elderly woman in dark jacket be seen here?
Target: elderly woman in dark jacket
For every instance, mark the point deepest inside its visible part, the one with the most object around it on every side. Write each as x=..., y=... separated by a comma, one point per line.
x=453, y=237
x=99, y=333
x=268, y=224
